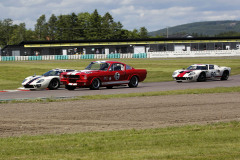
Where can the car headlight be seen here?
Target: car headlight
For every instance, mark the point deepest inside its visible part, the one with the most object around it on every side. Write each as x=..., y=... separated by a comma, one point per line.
x=24, y=80
x=40, y=81
x=192, y=73
x=174, y=73
x=84, y=77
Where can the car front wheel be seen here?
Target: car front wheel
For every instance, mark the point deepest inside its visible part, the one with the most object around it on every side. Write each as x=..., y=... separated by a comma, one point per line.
x=202, y=77
x=133, y=82
x=95, y=84
x=54, y=84
x=225, y=75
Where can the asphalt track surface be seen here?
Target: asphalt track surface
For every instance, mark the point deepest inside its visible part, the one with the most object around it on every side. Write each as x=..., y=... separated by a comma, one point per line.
x=143, y=87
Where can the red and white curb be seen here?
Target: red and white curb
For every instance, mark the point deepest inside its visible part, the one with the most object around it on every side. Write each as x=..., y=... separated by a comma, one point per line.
x=20, y=89
x=17, y=90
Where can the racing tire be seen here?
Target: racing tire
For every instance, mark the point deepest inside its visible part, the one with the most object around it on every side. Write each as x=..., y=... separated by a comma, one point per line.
x=54, y=84
x=201, y=77
x=95, y=85
x=70, y=87
x=133, y=82
x=225, y=75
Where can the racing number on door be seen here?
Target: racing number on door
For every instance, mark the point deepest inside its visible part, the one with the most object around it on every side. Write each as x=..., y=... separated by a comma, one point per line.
x=213, y=74
x=117, y=71
x=117, y=76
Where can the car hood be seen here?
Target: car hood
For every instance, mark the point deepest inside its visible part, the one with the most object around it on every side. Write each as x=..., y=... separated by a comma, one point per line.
x=34, y=79
x=187, y=71
x=82, y=72
x=183, y=73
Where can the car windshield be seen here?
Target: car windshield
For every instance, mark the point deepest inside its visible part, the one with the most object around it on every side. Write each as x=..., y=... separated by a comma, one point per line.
x=97, y=66
x=51, y=73
x=197, y=68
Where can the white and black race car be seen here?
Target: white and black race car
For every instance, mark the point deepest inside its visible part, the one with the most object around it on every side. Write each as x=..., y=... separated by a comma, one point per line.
x=201, y=72
x=50, y=80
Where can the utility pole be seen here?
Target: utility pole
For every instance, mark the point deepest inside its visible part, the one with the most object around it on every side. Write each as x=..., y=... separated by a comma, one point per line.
x=167, y=31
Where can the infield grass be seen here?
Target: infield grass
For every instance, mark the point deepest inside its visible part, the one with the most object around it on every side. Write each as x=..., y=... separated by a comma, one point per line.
x=219, y=141
x=143, y=94
x=13, y=73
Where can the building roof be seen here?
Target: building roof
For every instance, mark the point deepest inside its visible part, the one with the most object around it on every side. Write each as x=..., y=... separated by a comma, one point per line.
x=68, y=43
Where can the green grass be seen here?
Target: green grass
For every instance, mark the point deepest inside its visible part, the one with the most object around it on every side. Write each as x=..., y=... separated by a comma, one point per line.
x=215, y=141
x=13, y=73
x=144, y=94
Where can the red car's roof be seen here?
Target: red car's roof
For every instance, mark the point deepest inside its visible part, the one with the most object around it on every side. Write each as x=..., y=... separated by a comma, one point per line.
x=109, y=61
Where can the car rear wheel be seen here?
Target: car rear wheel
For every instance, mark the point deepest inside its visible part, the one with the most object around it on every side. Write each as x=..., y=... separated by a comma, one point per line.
x=225, y=75
x=95, y=84
x=133, y=82
x=70, y=87
x=54, y=84
x=202, y=77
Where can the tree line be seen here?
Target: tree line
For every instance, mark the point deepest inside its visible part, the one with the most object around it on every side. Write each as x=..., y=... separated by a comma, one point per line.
x=81, y=26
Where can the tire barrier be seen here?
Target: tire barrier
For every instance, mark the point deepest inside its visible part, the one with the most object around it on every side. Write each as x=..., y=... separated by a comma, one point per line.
x=114, y=55
x=65, y=57
x=87, y=56
x=140, y=55
x=8, y=58
x=61, y=57
x=34, y=58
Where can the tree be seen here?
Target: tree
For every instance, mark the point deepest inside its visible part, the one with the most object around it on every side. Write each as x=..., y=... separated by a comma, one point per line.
x=107, y=26
x=41, y=28
x=117, y=30
x=94, y=26
x=83, y=23
x=52, y=27
x=18, y=34
x=143, y=33
x=68, y=27
x=6, y=29
x=63, y=27
x=134, y=34
x=73, y=26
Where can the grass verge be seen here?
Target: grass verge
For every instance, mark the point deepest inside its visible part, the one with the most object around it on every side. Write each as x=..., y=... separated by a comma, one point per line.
x=214, y=141
x=144, y=94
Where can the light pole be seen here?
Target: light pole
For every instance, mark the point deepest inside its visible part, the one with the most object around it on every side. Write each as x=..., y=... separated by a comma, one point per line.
x=167, y=31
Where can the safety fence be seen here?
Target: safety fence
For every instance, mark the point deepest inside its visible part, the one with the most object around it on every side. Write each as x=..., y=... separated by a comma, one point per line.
x=66, y=57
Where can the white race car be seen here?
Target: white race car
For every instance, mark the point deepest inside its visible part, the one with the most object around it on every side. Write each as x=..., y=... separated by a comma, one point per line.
x=201, y=72
x=50, y=80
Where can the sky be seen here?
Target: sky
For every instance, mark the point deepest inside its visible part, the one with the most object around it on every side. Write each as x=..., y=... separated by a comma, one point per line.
x=133, y=14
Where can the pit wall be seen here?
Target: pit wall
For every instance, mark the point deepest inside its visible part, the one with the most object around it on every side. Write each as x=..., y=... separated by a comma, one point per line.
x=167, y=54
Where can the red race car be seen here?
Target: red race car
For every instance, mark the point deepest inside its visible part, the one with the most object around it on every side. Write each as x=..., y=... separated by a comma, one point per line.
x=103, y=74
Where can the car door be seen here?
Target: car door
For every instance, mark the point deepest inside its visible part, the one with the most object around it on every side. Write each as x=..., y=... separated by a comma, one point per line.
x=117, y=73
x=211, y=71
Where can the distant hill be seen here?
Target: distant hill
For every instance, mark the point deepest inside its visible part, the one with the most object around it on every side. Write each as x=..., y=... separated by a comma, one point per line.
x=207, y=28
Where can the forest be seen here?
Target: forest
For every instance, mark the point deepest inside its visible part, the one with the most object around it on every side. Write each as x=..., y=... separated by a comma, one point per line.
x=81, y=26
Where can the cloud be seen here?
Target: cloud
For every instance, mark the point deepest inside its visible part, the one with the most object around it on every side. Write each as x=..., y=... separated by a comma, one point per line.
x=32, y=2
x=157, y=18
x=153, y=14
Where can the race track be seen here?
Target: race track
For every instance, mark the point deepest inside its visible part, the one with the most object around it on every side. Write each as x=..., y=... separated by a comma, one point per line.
x=143, y=87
